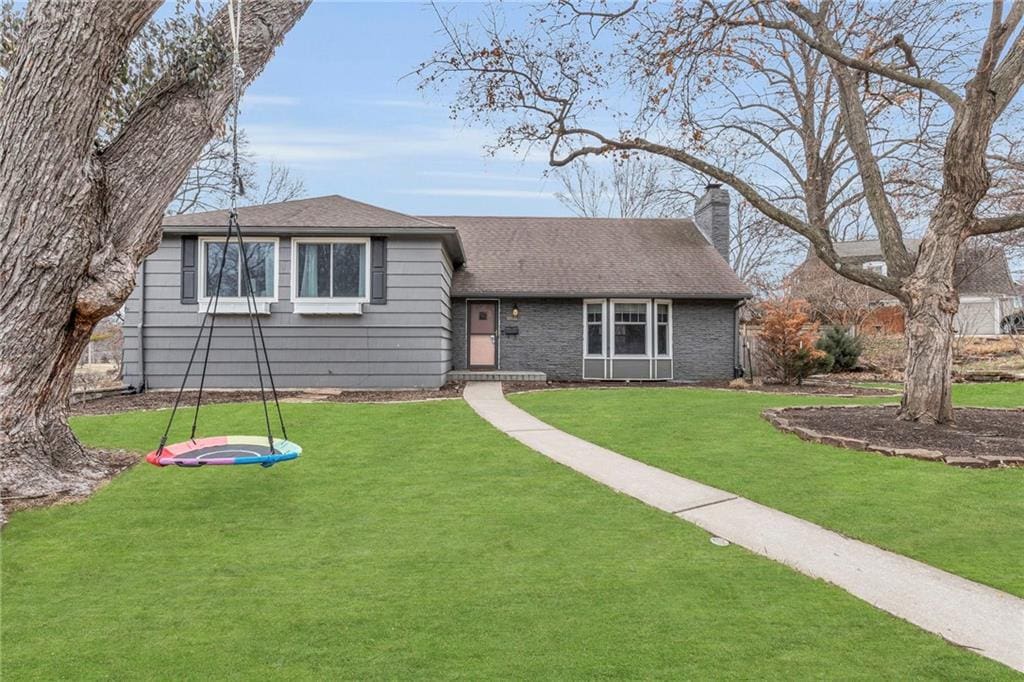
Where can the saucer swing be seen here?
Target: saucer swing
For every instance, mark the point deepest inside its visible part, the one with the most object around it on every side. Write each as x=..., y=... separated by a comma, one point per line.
x=229, y=450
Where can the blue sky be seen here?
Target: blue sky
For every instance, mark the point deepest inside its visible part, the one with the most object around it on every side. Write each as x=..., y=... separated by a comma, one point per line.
x=332, y=105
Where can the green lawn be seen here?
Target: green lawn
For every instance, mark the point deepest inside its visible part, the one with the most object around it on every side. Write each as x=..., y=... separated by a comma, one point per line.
x=977, y=395
x=969, y=522
x=412, y=541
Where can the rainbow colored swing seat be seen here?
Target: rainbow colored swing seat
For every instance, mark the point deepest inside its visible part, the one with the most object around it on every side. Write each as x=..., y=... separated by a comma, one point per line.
x=225, y=450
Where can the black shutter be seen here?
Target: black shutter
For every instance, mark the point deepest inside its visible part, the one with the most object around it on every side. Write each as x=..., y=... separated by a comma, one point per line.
x=378, y=270
x=189, y=269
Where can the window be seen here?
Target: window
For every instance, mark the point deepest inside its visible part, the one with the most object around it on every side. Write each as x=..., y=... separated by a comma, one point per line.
x=331, y=269
x=662, y=337
x=261, y=256
x=595, y=328
x=630, y=328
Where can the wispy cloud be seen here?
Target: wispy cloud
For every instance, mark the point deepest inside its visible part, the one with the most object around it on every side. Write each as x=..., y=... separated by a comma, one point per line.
x=270, y=100
x=396, y=103
x=476, y=192
x=483, y=175
x=322, y=145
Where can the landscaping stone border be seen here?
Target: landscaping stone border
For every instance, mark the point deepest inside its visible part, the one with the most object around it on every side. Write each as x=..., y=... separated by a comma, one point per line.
x=777, y=418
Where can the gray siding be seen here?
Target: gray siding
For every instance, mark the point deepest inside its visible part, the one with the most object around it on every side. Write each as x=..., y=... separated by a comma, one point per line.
x=404, y=343
x=550, y=340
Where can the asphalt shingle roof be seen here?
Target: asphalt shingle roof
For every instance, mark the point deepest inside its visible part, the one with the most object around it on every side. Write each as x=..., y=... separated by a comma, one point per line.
x=328, y=211
x=526, y=256
x=589, y=257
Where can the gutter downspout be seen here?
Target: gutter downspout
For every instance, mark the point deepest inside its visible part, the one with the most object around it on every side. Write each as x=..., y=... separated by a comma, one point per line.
x=737, y=358
x=142, y=330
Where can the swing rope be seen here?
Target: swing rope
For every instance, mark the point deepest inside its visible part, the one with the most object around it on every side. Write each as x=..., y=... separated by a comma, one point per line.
x=234, y=229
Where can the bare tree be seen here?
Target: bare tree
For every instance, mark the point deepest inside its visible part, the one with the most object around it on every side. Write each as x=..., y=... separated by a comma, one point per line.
x=633, y=189
x=833, y=299
x=207, y=185
x=280, y=184
x=84, y=181
x=760, y=251
x=861, y=103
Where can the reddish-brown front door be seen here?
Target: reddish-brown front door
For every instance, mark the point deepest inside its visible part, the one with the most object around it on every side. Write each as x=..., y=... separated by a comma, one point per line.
x=483, y=330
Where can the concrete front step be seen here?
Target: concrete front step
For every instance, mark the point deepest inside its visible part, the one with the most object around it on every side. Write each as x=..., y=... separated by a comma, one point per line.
x=496, y=375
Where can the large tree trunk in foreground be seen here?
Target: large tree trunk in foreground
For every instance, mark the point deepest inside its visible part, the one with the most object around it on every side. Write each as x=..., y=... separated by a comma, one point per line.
x=29, y=430
x=75, y=223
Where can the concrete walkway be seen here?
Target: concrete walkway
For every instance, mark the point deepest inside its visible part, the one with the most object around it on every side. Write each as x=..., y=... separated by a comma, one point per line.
x=974, y=616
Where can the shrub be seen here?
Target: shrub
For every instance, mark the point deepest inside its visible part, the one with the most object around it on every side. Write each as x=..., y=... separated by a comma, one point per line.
x=786, y=343
x=843, y=348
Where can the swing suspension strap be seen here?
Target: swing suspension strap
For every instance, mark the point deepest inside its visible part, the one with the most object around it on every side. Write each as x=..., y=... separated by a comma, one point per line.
x=234, y=230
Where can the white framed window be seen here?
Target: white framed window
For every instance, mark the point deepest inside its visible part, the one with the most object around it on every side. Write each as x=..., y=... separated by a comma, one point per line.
x=594, y=341
x=663, y=329
x=262, y=257
x=630, y=329
x=877, y=266
x=330, y=274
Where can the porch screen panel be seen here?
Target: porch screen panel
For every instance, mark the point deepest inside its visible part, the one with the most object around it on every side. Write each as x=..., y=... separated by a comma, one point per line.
x=595, y=329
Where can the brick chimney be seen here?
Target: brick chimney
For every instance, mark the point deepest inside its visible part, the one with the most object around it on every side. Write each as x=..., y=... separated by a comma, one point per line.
x=711, y=215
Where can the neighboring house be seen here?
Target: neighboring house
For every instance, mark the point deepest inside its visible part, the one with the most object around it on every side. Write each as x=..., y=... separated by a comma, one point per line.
x=982, y=277
x=355, y=296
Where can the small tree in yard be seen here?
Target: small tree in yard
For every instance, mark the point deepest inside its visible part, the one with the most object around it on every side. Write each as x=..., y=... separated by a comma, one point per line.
x=787, y=343
x=94, y=143
x=842, y=347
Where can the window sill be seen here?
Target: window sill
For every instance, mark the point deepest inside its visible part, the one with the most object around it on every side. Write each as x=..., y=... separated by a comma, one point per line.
x=236, y=307
x=327, y=308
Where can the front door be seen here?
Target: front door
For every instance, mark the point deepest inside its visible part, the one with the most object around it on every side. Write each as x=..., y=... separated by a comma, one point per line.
x=483, y=329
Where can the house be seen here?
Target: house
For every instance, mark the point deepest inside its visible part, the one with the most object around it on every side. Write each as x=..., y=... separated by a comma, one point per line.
x=355, y=296
x=982, y=277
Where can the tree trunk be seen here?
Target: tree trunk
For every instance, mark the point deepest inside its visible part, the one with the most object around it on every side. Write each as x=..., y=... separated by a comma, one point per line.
x=927, y=393
x=931, y=302
x=75, y=222
x=40, y=454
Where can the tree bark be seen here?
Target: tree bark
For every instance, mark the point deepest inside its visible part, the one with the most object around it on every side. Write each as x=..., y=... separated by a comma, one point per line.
x=927, y=394
x=75, y=223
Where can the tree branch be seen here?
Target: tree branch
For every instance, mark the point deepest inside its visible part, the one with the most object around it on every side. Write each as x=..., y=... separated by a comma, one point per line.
x=854, y=118
x=834, y=52
x=1008, y=77
x=1006, y=223
x=151, y=155
x=817, y=235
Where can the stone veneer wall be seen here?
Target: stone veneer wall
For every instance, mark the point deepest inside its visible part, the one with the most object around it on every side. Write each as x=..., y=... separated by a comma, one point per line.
x=550, y=338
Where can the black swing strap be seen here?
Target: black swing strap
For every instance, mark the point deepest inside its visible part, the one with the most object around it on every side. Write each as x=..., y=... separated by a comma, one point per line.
x=234, y=229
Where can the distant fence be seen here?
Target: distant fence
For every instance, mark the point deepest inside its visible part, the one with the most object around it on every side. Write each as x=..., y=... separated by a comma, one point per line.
x=749, y=345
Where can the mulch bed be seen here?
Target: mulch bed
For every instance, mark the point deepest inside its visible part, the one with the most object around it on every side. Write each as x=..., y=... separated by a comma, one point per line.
x=153, y=400
x=979, y=438
x=805, y=389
